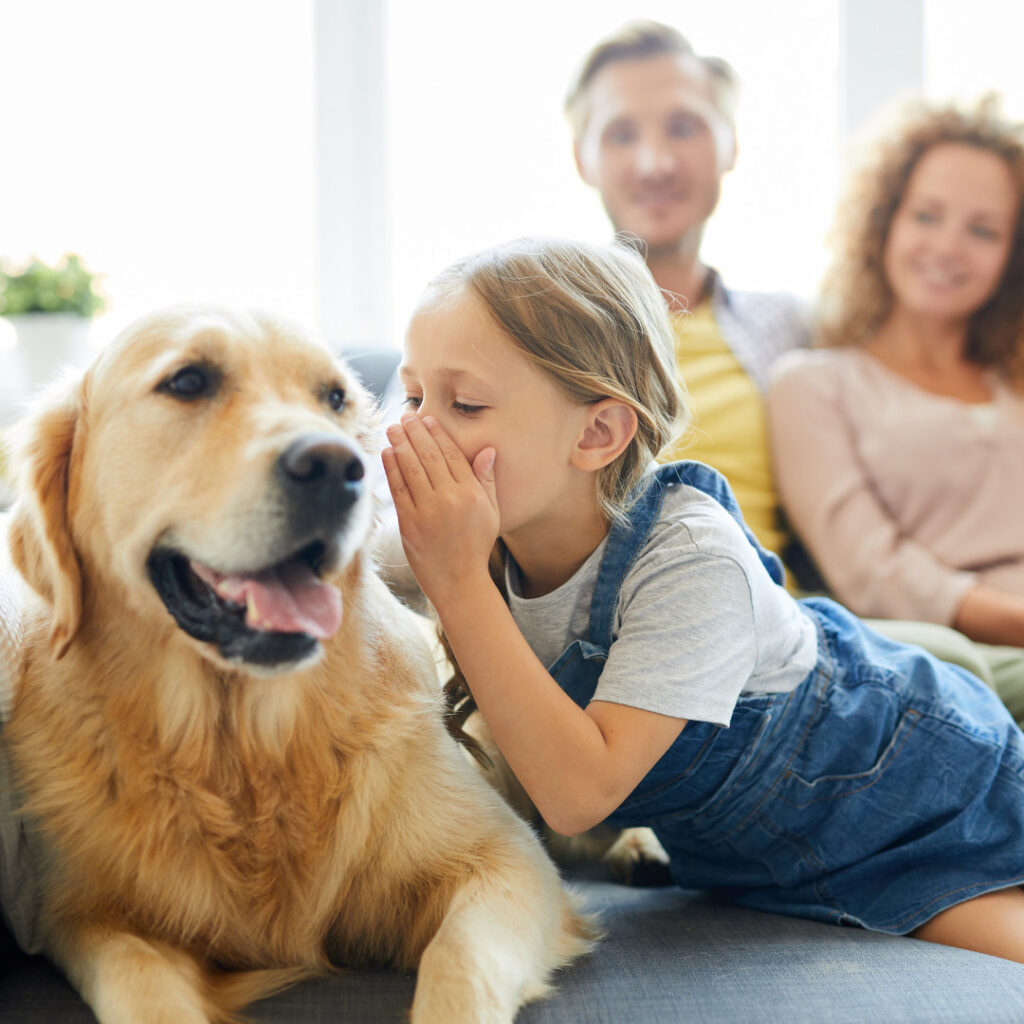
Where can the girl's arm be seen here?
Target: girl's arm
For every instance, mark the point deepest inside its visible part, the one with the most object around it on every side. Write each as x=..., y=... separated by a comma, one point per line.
x=577, y=765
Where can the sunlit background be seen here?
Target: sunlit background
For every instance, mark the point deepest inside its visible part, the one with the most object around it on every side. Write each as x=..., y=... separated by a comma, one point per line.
x=184, y=150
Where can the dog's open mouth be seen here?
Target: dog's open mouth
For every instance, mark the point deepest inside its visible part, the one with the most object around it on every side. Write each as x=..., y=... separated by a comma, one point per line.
x=275, y=616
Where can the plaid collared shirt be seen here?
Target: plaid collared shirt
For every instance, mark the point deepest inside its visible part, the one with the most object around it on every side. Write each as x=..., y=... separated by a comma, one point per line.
x=759, y=326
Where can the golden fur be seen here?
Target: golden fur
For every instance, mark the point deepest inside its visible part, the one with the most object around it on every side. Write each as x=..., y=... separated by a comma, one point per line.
x=216, y=829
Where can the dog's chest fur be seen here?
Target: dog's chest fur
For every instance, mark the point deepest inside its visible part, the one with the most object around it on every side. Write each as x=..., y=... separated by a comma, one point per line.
x=213, y=830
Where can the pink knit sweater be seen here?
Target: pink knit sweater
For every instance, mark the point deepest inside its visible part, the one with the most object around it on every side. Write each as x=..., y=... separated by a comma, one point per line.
x=904, y=498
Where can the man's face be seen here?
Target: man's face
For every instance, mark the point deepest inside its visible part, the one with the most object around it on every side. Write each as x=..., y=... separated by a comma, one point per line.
x=655, y=147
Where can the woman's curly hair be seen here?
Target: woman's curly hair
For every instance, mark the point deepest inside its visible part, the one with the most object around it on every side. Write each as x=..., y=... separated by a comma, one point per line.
x=855, y=295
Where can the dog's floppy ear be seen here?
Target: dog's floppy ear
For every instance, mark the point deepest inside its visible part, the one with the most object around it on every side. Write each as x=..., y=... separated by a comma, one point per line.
x=39, y=534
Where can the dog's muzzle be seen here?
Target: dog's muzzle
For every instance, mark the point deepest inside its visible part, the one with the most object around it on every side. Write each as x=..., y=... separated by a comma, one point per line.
x=277, y=614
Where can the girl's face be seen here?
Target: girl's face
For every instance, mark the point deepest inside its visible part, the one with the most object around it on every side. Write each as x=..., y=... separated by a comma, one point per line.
x=951, y=235
x=461, y=368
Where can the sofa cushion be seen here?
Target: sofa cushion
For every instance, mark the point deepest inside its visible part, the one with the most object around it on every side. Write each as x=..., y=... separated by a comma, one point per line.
x=669, y=955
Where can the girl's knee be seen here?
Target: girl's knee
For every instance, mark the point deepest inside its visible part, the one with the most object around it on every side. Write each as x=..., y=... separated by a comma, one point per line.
x=992, y=923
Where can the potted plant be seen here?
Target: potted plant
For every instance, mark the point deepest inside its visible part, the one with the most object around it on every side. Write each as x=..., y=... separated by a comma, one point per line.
x=50, y=308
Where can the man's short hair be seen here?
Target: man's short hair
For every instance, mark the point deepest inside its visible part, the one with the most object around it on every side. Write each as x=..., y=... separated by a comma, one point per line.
x=639, y=40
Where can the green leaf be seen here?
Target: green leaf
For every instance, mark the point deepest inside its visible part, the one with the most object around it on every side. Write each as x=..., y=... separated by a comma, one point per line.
x=67, y=287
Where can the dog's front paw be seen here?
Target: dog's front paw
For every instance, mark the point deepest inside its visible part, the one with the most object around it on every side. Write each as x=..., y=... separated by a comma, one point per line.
x=632, y=856
x=638, y=859
x=127, y=980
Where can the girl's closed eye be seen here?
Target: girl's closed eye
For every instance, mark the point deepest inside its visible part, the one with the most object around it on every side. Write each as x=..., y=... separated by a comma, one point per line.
x=413, y=402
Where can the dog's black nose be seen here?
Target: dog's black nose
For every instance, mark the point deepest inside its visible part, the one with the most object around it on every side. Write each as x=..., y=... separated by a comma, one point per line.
x=317, y=458
x=322, y=476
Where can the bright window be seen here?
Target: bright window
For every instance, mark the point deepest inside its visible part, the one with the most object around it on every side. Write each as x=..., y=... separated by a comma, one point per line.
x=972, y=48
x=481, y=153
x=174, y=146
x=171, y=145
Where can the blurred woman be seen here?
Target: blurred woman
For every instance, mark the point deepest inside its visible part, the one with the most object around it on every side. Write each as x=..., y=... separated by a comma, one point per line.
x=899, y=443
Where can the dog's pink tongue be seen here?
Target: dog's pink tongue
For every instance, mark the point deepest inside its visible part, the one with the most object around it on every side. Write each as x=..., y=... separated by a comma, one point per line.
x=286, y=599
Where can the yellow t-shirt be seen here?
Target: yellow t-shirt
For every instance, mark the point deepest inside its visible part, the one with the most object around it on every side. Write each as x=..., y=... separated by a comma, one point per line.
x=729, y=429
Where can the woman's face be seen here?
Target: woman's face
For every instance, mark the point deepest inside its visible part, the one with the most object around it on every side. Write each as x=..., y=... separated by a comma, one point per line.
x=951, y=235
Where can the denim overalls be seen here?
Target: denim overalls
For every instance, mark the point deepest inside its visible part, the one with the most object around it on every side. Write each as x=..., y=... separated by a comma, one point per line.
x=885, y=788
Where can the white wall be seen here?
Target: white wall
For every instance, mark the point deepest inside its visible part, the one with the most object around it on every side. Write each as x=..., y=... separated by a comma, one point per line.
x=176, y=147
x=481, y=151
x=171, y=145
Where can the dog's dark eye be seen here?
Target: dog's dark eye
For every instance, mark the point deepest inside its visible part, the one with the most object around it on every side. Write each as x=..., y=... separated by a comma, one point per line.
x=190, y=382
x=335, y=398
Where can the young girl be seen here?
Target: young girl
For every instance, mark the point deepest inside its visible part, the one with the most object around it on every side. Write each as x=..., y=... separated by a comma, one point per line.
x=647, y=667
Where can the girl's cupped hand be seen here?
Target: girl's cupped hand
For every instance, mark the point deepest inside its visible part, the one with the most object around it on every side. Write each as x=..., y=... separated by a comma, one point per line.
x=447, y=507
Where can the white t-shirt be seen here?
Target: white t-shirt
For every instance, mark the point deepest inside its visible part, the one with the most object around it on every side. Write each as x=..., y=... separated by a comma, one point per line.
x=698, y=619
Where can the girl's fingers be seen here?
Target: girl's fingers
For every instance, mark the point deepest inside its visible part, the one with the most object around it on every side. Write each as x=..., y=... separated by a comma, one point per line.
x=409, y=465
x=483, y=470
x=400, y=494
x=458, y=465
x=423, y=460
x=436, y=463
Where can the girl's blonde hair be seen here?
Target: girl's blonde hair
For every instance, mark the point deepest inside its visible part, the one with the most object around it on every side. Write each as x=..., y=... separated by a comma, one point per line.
x=592, y=318
x=856, y=297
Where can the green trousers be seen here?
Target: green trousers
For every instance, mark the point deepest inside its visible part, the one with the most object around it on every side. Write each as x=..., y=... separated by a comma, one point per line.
x=1002, y=668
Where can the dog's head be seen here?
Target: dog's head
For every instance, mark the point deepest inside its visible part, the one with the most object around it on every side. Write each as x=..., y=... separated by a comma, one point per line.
x=210, y=468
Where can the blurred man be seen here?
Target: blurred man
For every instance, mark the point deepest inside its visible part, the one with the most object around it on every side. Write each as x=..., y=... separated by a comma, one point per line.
x=654, y=133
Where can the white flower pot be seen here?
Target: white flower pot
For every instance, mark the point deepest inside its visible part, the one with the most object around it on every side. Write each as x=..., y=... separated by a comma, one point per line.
x=47, y=342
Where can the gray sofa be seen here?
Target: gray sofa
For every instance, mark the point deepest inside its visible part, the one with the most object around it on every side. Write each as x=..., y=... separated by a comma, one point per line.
x=669, y=956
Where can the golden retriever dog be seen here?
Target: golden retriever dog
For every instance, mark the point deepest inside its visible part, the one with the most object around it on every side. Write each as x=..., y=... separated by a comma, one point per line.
x=228, y=733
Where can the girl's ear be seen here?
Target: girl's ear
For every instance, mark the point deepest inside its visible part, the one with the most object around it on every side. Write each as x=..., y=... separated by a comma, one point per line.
x=610, y=426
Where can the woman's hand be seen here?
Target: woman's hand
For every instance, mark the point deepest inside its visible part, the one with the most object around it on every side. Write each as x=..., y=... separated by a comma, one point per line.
x=447, y=508
x=991, y=616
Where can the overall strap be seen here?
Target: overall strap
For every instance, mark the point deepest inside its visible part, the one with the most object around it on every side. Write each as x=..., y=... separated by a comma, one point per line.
x=626, y=539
